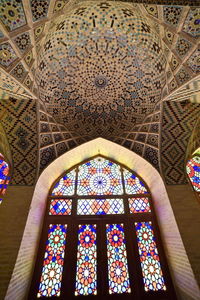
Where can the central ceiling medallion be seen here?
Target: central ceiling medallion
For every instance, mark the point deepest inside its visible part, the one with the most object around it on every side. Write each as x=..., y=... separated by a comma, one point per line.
x=100, y=82
x=101, y=64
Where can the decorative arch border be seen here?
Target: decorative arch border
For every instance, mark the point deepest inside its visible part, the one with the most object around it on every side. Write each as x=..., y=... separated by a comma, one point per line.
x=175, y=251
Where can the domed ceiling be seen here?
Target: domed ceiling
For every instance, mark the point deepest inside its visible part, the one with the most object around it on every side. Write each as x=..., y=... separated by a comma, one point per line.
x=101, y=65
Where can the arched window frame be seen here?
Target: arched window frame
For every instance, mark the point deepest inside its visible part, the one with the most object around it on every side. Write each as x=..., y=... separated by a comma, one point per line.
x=197, y=193
x=88, y=219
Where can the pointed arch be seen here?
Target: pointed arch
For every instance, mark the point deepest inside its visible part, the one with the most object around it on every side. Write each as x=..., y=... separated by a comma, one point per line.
x=169, y=230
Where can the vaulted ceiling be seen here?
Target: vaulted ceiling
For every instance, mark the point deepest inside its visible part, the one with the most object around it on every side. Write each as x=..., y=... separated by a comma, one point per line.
x=74, y=70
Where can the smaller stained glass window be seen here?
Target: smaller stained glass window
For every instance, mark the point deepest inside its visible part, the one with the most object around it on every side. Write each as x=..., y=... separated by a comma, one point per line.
x=99, y=177
x=139, y=205
x=133, y=185
x=86, y=272
x=4, y=178
x=60, y=207
x=100, y=206
x=117, y=260
x=193, y=171
x=66, y=185
x=50, y=282
x=149, y=259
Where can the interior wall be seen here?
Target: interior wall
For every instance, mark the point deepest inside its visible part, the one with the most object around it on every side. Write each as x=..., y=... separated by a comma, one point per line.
x=13, y=215
x=185, y=283
x=187, y=213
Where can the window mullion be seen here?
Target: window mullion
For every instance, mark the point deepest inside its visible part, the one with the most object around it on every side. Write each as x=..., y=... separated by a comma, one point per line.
x=125, y=198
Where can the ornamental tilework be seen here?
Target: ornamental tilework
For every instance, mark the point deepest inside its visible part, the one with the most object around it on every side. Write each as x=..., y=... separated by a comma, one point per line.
x=39, y=9
x=47, y=155
x=61, y=148
x=59, y=4
x=192, y=23
x=177, y=124
x=152, y=10
x=194, y=61
x=7, y=55
x=182, y=76
x=172, y=14
x=12, y=14
x=153, y=140
x=174, y=63
x=29, y=58
x=96, y=45
x=23, y=41
x=138, y=148
x=151, y=155
x=19, y=122
x=182, y=47
x=19, y=72
x=38, y=31
x=169, y=36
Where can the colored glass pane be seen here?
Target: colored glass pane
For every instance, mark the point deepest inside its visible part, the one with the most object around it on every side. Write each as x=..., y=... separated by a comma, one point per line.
x=117, y=260
x=50, y=282
x=149, y=259
x=139, y=205
x=86, y=272
x=100, y=206
x=4, y=170
x=99, y=177
x=193, y=171
x=60, y=207
x=66, y=185
x=133, y=185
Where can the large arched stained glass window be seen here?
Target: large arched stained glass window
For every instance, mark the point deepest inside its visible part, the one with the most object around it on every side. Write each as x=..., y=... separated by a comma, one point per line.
x=193, y=172
x=100, y=238
x=4, y=176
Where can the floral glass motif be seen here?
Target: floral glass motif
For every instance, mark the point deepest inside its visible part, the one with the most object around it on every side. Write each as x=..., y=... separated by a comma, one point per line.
x=60, y=207
x=66, y=185
x=100, y=206
x=50, y=282
x=149, y=259
x=4, y=178
x=139, y=205
x=193, y=171
x=99, y=176
x=86, y=272
x=133, y=185
x=117, y=260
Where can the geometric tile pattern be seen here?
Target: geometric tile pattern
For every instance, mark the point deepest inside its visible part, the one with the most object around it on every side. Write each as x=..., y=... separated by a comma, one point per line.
x=191, y=25
x=18, y=118
x=23, y=41
x=12, y=14
x=7, y=54
x=172, y=14
x=39, y=9
x=177, y=125
x=107, y=70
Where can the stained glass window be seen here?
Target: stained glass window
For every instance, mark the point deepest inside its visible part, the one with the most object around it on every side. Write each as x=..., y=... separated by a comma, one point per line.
x=133, y=185
x=4, y=178
x=139, y=205
x=193, y=171
x=98, y=202
x=66, y=185
x=86, y=272
x=149, y=258
x=50, y=282
x=117, y=260
x=99, y=177
x=100, y=206
x=60, y=207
